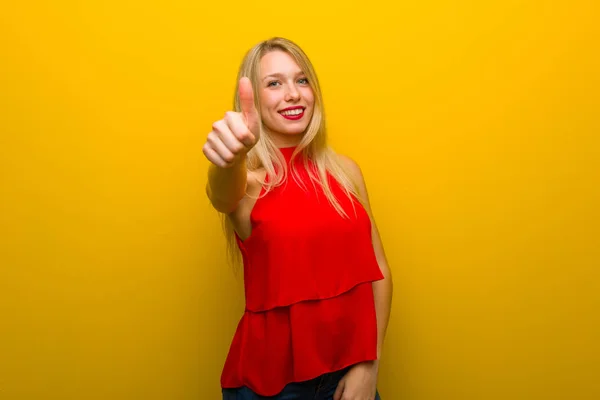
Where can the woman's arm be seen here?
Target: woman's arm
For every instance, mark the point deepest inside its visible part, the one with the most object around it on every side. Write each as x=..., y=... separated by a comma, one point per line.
x=361, y=381
x=227, y=186
x=226, y=148
x=383, y=289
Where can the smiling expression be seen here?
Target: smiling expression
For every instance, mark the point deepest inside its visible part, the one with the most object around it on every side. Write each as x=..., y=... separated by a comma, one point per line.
x=286, y=98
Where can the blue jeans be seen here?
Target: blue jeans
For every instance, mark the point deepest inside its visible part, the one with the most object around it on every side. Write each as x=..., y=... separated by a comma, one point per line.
x=321, y=388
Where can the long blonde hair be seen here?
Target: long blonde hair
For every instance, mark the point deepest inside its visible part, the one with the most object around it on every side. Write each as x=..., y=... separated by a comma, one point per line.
x=313, y=146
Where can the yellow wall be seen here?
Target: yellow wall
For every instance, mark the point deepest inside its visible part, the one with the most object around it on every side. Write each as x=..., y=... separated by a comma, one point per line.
x=475, y=124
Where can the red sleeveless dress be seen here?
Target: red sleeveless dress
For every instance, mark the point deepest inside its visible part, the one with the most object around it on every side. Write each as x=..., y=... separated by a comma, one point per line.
x=308, y=276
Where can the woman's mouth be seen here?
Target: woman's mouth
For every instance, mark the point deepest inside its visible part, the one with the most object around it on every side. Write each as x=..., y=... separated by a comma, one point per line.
x=293, y=114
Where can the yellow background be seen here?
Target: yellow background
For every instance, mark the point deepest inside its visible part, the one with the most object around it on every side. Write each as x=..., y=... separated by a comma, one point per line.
x=476, y=125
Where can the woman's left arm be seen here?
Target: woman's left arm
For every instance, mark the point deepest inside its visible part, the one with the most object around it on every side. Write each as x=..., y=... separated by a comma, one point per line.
x=360, y=382
x=382, y=289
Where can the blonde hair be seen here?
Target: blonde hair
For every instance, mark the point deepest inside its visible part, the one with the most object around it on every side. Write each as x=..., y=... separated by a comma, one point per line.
x=313, y=146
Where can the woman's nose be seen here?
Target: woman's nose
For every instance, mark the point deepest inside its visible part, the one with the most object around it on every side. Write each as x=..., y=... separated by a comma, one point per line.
x=292, y=93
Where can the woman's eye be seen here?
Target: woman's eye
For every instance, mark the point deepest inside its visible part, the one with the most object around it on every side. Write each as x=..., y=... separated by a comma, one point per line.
x=303, y=81
x=272, y=83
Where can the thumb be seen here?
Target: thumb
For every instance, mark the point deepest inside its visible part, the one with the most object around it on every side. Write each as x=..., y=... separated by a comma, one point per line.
x=247, y=104
x=339, y=390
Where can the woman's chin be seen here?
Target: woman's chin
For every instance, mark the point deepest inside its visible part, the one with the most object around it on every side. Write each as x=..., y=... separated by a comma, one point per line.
x=291, y=132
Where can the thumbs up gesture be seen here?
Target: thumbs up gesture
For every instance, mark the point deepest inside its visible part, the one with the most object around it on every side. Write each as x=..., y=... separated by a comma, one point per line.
x=237, y=133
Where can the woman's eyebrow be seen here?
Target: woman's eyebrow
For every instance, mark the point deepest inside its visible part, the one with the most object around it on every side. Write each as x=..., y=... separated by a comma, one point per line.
x=280, y=75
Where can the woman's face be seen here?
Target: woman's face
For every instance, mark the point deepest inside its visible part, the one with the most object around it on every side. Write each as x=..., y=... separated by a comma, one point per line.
x=286, y=98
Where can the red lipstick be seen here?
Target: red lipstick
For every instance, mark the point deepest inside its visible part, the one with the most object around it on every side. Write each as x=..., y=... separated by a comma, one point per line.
x=293, y=117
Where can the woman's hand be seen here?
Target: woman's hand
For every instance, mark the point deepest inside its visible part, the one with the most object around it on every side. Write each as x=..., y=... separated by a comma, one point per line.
x=359, y=383
x=233, y=136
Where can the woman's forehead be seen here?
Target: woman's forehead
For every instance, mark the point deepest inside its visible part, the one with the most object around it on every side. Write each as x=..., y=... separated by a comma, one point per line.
x=279, y=62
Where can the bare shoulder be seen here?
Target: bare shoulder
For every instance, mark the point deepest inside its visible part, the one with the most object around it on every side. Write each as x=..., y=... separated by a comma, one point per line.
x=355, y=172
x=350, y=164
x=254, y=178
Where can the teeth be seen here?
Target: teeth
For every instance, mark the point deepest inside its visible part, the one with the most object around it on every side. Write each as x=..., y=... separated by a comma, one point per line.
x=293, y=112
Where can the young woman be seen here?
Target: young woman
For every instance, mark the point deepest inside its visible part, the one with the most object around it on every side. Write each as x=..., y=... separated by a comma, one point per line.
x=317, y=285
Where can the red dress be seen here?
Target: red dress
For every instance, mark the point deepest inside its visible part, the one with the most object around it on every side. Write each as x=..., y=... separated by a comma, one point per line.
x=308, y=276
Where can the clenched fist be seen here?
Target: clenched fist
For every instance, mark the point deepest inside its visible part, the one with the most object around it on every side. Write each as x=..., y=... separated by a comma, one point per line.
x=235, y=134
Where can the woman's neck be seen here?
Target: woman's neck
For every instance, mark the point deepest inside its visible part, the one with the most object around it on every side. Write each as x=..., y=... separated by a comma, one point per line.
x=281, y=140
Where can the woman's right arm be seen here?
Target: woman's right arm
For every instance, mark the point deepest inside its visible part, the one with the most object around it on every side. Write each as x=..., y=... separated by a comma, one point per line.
x=227, y=186
x=226, y=148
